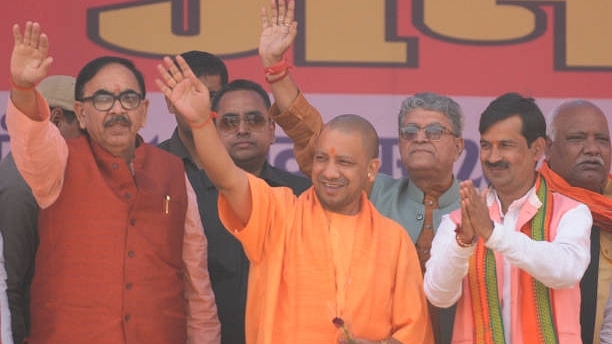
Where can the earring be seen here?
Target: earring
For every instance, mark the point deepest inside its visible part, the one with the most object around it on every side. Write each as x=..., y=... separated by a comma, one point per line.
x=369, y=175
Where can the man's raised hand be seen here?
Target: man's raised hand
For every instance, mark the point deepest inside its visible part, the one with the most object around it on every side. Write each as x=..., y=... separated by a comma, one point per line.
x=278, y=31
x=29, y=59
x=184, y=90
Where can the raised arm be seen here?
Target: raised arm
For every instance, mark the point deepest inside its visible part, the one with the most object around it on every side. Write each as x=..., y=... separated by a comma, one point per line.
x=291, y=111
x=29, y=65
x=277, y=36
x=191, y=98
x=39, y=150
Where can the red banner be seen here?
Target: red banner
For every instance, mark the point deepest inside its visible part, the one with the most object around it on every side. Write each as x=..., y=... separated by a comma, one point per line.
x=472, y=47
x=351, y=56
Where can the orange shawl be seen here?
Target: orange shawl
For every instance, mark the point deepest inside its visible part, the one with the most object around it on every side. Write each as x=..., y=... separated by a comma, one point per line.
x=600, y=204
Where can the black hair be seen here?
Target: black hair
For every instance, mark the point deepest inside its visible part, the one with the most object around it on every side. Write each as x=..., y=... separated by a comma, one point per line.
x=204, y=63
x=241, y=84
x=513, y=104
x=92, y=68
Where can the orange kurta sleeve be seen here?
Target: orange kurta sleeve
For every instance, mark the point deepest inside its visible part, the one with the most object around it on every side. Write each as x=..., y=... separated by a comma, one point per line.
x=303, y=123
x=39, y=150
x=203, y=325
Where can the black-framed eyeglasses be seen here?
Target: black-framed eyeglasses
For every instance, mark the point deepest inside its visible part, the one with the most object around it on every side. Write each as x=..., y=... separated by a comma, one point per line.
x=433, y=132
x=104, y=101
x=230, y=123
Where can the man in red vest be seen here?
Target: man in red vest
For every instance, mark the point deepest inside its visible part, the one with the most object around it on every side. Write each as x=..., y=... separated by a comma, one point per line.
x=122, y=254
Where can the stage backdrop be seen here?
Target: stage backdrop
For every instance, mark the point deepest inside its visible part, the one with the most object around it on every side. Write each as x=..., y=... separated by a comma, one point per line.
x=351, y=56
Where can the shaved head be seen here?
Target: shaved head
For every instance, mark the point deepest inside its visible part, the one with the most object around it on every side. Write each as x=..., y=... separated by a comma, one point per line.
x=345, y=163
x=358, y=125
x=572, y=107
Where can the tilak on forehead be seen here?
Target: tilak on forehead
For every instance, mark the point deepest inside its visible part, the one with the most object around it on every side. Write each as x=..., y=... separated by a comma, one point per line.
x=115, y=88
x=332, y=150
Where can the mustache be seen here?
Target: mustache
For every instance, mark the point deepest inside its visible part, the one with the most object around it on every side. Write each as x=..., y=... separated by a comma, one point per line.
x=591, y=160
x=118, y=119
x=499, y=164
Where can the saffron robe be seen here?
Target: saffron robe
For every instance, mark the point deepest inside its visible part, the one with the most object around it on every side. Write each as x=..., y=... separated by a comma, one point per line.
x=293, y=290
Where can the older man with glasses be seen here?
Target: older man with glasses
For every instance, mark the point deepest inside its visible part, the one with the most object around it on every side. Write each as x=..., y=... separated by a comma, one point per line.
x=122, y=254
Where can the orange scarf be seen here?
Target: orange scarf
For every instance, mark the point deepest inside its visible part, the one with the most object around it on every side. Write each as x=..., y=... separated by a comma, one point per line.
x=537, y=324
x=600, y=205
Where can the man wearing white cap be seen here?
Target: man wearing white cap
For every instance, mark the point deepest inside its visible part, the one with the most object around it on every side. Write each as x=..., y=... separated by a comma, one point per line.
x=58, y=90
x=19, y=216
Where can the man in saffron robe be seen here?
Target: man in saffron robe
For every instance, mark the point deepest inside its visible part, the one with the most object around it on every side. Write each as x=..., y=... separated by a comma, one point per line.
x=325, y=256
x=248, y=132
x=122, y=254
x=578, y=165
x=430, y=142
x=513, y=255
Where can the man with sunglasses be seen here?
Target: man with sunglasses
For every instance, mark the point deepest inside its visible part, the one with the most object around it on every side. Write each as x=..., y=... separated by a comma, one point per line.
x=430, y=141
x=247, y=132
x=122, y=253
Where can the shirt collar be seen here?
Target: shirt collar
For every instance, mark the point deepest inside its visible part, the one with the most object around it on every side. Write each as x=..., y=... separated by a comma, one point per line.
x=446, y=199
x=517, y=204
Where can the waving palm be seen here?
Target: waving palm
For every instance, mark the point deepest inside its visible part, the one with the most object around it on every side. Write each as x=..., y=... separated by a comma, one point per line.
x=29, y=59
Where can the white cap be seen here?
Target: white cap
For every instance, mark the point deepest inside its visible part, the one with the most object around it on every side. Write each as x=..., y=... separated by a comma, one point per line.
x=58, y=91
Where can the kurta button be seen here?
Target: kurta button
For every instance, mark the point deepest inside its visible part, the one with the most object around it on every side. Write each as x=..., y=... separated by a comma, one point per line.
x=419, y=217
x=115, y=166
x=128, y=286
x=133, y=222
x=428, y=226
x=127, y=317
x=131, y=254
x=128, y=195
x=430, y=202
